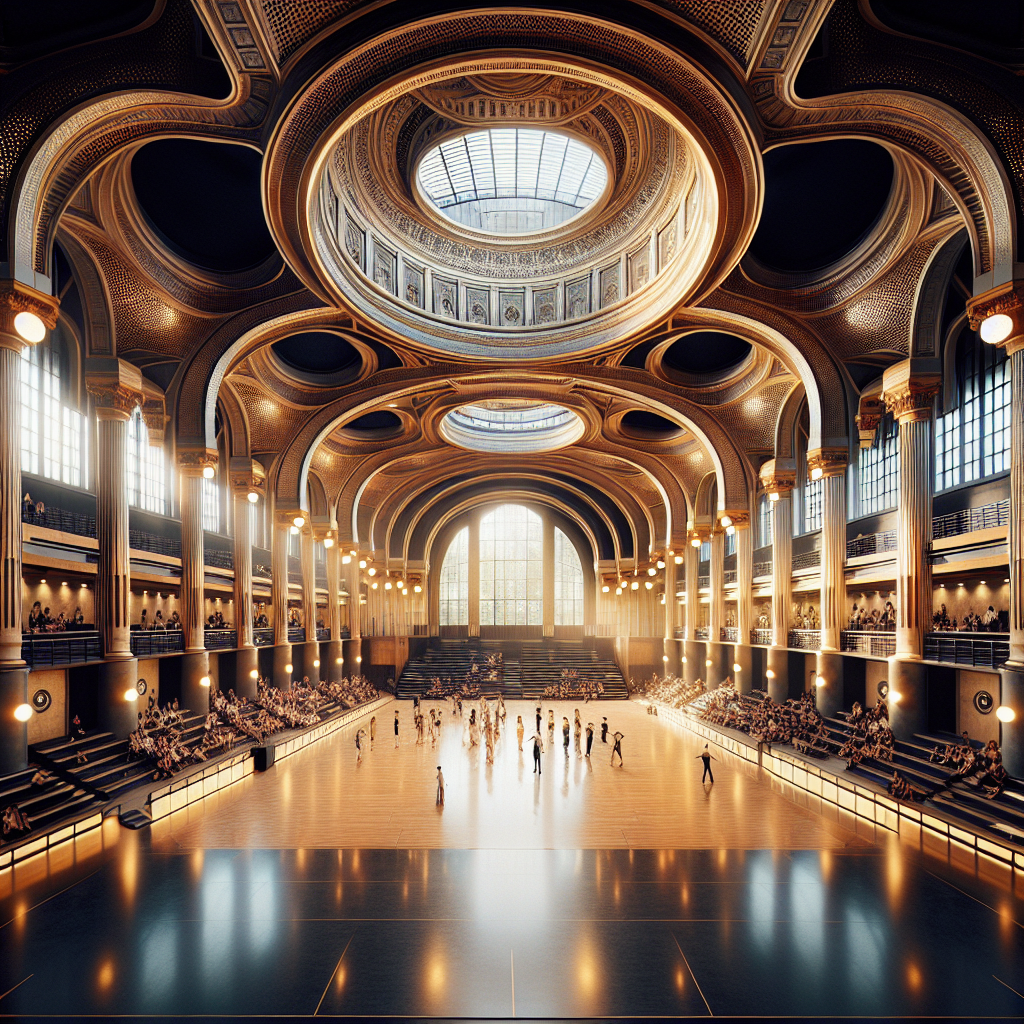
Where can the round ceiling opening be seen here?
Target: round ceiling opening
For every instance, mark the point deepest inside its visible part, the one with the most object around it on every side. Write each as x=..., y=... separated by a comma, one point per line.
x=512, y=425
x=511, y=181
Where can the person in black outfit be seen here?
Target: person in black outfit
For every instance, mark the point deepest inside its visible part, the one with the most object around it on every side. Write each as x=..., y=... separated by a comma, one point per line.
x=538, y=720
x=604, y=730
x=707, y=757
x=565, y=734
x=617, y=747
x=590, y=737
x=538, y=749
x=396, y=728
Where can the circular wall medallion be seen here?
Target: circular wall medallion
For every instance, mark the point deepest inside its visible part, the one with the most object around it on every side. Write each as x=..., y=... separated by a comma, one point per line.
x=141, y=687
x=41, y=700
x=883, y=689
x=984, y=702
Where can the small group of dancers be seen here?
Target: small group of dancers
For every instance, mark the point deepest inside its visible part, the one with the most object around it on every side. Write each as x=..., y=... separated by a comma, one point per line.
x=538, y=737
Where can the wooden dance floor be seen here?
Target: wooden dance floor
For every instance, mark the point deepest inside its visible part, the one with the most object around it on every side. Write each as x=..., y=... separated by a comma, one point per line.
x=327, y=888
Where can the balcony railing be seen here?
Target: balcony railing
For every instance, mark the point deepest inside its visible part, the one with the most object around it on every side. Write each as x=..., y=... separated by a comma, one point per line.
x=296, y=635
x=761, y=636
x=762, y=569
x=42, y=649
x=703, y=632
x=729, y=634
x=873, y=544
x=147, y=643
x=323, y=634
x=807, y=560
x=967, y=520
x=155, y=545
x=805, y=639
x=263, y=637
x=875, y=643
x=219, y=559
x=220, y=639
x=973, y=649
x=730, y=576
x=703, y=581
x=62, y=520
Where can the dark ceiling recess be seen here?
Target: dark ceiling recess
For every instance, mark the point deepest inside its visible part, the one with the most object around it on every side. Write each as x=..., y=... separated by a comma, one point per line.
x=57, y=24
x=821, y=199
x=379, y=421
x=976, y=27
x=317, y=352
x=641, y=421
x=706, y=352
x=204, y=200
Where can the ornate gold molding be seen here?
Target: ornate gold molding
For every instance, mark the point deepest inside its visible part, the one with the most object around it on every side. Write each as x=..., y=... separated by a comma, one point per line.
x=247, y=475
x=1006, y=298
x=154, y=413
x=830, y=462
x=16, y=298
x=116, y=388
x=739, y=519
x=778, y=477
x=869, y=415
x=909, y=389
x=192, y=461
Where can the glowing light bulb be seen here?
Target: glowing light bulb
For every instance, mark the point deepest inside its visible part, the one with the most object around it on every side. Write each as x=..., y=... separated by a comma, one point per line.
x=895, y=696
x=707, y=663
x=362, y=563
x=205, y=681
x=316, y=663
x=773, y=495
x=254, y=674
x=288, y=669
x=770, y=673
x=131, y=694
x=346, y=559
x=1005, y=714
x=371, y=571
x=30, y=327
x=737, y=667
x=387, y=585
x=695, y=542
x=994, y=329
x=661, y=563
x=299, y=521
x=648, y=584
x=726, y=521
x=678, y=559
x=209, y=472
x=634, y=585
x=817, y=473
x=328, y=542
x=418, y=589
x=605, y=589
x=252, y=497
x=23, y=712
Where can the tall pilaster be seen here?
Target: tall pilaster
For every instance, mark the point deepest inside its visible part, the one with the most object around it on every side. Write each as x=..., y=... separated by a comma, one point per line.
x=548, y=585
x=116, y=388
x=716, y=618
x=693, y=650
x=280, y=533
x=244, y=484
x=15, y=299
x=744, y=577
x=778, y=477
x=670, y=652
x=353, y=647
x=1015, y=348
x=195, y=665
x=829, y=466
x=331, y=657
x=307, y=549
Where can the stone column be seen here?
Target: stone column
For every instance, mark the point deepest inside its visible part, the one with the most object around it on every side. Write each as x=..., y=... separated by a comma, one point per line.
x=829, y=466
x=15, y=298
x=474, y=574
x=309, y=657
x=548, y=591
x=244, y=482
x=693, y=650
x=353, y=647
x=716, y=618
x=742, y=659
x=116, y=388
x=283, y=668
x=670, y=647
x=908, y=390
x=778, y=477
x=195, y=665
x=331, y=658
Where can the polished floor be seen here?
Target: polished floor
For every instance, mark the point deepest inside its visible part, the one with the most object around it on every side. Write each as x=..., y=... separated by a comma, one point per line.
x=592, y=892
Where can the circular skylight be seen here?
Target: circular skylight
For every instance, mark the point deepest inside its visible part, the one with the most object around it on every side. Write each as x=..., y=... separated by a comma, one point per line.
x=511, y=425
x=512, y=180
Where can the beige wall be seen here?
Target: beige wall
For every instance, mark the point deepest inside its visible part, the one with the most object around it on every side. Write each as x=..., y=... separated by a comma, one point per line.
x=875, y=672
x=961, y=600
x=979, y=726
x=52, y=723
x=149, y=669
x=57, y=597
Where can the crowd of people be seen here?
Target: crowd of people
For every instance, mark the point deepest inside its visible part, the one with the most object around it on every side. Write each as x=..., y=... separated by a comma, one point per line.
x=983, y=767
x=173, y=621
x=41, y=621
x=883, y=619
x=870, y=735
x=572, y=686
x=990, y=621
x=671, y=691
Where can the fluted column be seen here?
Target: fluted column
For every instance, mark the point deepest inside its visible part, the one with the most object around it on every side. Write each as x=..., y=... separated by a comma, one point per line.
x=307, y=560
x=243, y=566
x=670, y=651
x=1015, y=348
x=333, y=587
x=693, y=651
x=716, y=617
x=829, y=466
x=744, y=579
x=279, y=579
x=778, y=477
x=192, y=558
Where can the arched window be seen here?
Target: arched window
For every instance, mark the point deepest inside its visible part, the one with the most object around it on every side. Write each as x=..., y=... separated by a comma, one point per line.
x=146, y=468
x=764, y=521
x=511, y=567
x=879, y=469
x=568, y=583
x=52, y=433
x=453, y=584
x=972, y=440
x=812, y=505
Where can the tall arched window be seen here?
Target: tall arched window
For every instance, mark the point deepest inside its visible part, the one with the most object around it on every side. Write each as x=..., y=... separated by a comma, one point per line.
x=146, y=465
x=511, y=567
x=52, y=433
x=972, y=440
x=453, y=584
x=568, y=583
x=879, y=469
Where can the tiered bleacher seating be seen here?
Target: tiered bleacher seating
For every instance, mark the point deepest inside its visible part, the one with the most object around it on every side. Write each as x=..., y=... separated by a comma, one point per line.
x=46, y=805
x=530, y=666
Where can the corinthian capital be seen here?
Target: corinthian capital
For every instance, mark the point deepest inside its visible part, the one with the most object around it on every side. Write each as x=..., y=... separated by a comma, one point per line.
x=824, y=462
x=778, y=477
x=116, y=387
x=909, y=389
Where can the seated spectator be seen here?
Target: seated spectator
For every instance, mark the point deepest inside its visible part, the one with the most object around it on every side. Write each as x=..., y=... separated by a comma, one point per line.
x=15, y=820
x=175, y=622
x=40, y=509
x=79, y=619
x=900, y=789
x=27, y=505
x=35, y=618
x=158, y=622
x=144, y=619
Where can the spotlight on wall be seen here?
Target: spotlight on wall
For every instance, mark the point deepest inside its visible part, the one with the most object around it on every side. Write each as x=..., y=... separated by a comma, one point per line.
x=131, y=694
x=678, y=559
x=684, y=659
x=32, y=329
x=359, y=659
x=328, y=542
x=337, y=661
x=820, y=681
x=707, y=663
x=299, y=521
x=254, y=674
x=635, y=585
x=726, y=521
x=737, y=667
x=770, y=674
x=895, y=696
x=417, y=589
x=288, y=669
x=648, y=584
x=316, y=663
x=23, y=712
x=209, y=472
x=205, y=681
x=695, y=542
x=252, y=497
x=664, y=657
x=1005, y=714
x=346, y=559
x=605, y=589
x=773, y=495
x=994, y=329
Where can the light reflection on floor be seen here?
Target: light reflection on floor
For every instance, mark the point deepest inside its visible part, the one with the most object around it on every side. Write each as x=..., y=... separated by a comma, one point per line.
x=182, y=923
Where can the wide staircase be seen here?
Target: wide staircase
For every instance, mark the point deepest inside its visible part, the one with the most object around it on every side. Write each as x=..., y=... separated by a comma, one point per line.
x=529, y=667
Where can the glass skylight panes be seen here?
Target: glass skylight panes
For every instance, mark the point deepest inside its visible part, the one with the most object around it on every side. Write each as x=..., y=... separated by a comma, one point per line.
x=512, y=180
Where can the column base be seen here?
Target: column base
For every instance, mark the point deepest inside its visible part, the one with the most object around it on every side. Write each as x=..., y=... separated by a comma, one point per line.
x=777, y=674
x=116, y=713
x=908, y=714
x=332, y=661
x=743, y=655
x=307, y=661
x=195, y=666
x=829, y=688
x=13, y=734
x=284, y=669
x=671, y=653
x=693, y=661
x=247, y=661
x=1011, y=734
x=354, y=657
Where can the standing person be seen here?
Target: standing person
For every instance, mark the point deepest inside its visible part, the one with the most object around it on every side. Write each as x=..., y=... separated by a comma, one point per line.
x=538, y=711
x=577, y=732
x=590, y=737
x=617, y=748
x=551, y=720
x=360, y=733
x=396, y=729
x=538, y=749
x=707, y=758
x=604, y=730
x=565, y=734
x=373, y=730
x=520, y=730
x=440, y=787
